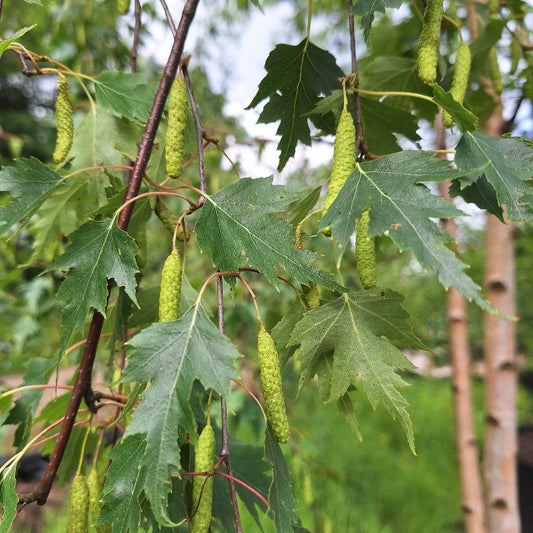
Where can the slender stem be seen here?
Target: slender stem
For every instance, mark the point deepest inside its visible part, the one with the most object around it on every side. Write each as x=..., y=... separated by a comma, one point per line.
x=96, y=167
x=254, y=299
x=125, y=205
x=359, y=140
x=216, y=274
x=396, y=93
x=224, y=451
x=252, y=395
x=168, y=16
x=286, y=281
x=251, y=489
x=12, y=392
x=136, y=32
x=82, y=386
x=309, y=18
x=82, y=453
x=198, y=126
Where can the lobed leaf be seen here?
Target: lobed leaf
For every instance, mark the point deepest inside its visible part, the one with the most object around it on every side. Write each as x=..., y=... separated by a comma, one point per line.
x=405, y=209
x=98, y=251
x=368, y=9
x=125, y=95
x=171, y=356
x=349, y=340
x=124, y=483
x=236, y=221
x=503, y=179
x=297, y=77
x=29, y=182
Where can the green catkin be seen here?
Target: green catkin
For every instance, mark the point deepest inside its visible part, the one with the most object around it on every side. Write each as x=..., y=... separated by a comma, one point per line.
x=123, y=6
x=298, y=237
x=312, y=295
x=169, y=293
x=428, y=51
x=270, y=372
x=494, y=70
x=78, y=517
x=178, y=103
x=65, y=126
x=202, y=489
x=343, y=158
x=461, y=74
x=94, y=494
x=365, y=253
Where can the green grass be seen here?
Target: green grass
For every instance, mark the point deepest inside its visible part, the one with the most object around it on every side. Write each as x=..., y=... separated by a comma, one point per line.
x=377, y=485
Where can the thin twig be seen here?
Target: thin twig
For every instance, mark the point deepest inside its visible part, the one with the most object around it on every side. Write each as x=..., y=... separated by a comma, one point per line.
x=136, y=32
x=224, y=451
x=248, y=487
x=361, y=146
x=198, y=126
x=82, y=386
x=509, y=124
x=168, y=16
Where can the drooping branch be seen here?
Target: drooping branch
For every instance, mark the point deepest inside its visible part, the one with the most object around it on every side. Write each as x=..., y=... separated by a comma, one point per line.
x=82, y=386
x=224, y=451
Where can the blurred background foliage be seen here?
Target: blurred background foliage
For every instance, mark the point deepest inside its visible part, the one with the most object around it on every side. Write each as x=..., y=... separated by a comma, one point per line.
x=376, y=484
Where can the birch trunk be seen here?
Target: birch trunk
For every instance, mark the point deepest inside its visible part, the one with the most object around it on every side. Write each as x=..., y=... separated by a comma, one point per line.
x=465, y=438
x=501, y=379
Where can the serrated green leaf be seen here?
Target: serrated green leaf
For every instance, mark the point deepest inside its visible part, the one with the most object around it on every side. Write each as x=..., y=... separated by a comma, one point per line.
x=98, y=251
x=236, y=221
x=281, y=332
x=304, y=205
x=480, y=193
x=8, y=498
x=466, y=120
x=6, y=42
x=171, y=356
x=507, y=165
x=57, y=217
x=125, y=95
x=124, y=483
x=392, y=74
x=397, y=74
x=353, y=335
x=381, y=121
x=280, y=497
x=28, y=183
x=297, y=77
x=100, y=139
x=368, y=8
x=403, y=208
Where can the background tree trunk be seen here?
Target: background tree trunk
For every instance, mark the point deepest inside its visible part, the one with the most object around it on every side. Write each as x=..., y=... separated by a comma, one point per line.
x=501, y=379
x=465, y=437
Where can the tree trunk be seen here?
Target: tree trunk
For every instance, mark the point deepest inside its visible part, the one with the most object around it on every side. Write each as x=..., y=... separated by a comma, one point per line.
x=501, y=382
x=467, y=453
x=501, y=379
